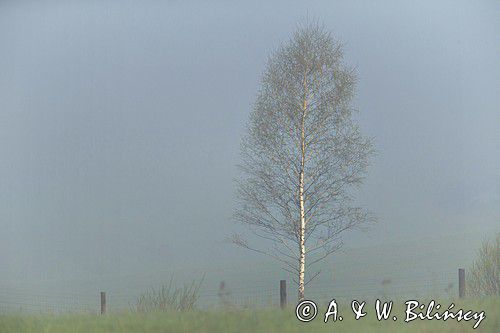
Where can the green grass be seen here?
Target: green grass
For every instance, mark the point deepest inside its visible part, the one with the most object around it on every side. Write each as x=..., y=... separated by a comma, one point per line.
x=242, y=321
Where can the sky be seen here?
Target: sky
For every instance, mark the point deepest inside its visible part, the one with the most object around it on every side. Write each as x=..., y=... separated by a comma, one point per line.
x=120, y=125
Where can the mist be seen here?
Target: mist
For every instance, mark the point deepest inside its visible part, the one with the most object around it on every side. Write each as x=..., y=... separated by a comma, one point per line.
x=121, y=121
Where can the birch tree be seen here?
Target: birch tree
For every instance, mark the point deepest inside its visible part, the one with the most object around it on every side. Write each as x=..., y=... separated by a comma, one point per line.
x=302, y=156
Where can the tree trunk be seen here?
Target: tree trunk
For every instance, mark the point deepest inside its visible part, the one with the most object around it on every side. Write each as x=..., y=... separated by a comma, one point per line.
x=302, y=245
x=302, y=231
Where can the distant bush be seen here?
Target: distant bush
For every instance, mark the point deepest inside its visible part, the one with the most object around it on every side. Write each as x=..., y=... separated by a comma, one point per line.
x=484, y=276
x=169, y=298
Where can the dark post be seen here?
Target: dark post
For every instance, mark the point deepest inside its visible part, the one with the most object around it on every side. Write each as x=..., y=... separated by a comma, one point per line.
x=283, y=294
x=461, y=282
x=103, y=302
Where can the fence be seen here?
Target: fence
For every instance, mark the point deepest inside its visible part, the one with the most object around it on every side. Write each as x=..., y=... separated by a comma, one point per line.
x=13, y=300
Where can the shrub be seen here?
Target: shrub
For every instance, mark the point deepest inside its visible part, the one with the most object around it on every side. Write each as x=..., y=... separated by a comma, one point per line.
x=170, y=298
x=484, y=275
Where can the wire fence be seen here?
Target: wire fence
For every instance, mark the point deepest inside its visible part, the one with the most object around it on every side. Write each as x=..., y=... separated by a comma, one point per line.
x=265, y=292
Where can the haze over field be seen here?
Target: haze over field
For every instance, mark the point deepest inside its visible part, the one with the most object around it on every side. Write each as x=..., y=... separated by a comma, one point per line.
x=120, y=125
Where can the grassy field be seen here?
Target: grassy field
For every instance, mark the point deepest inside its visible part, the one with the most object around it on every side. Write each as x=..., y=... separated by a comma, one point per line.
x=241, y=321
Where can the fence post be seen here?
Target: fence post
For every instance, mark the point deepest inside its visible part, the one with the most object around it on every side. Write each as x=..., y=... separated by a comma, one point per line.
x=461, y=282
x=282, y=294
x=103, y=302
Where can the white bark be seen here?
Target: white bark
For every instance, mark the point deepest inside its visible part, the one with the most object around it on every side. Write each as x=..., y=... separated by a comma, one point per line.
x=302, y=231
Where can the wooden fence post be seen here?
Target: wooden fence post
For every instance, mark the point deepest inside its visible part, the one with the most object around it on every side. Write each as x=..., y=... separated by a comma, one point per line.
x=461, y=282
x=282, y=294
x=103, y=302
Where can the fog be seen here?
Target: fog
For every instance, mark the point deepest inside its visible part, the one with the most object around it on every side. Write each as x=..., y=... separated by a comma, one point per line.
x=120, y=125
